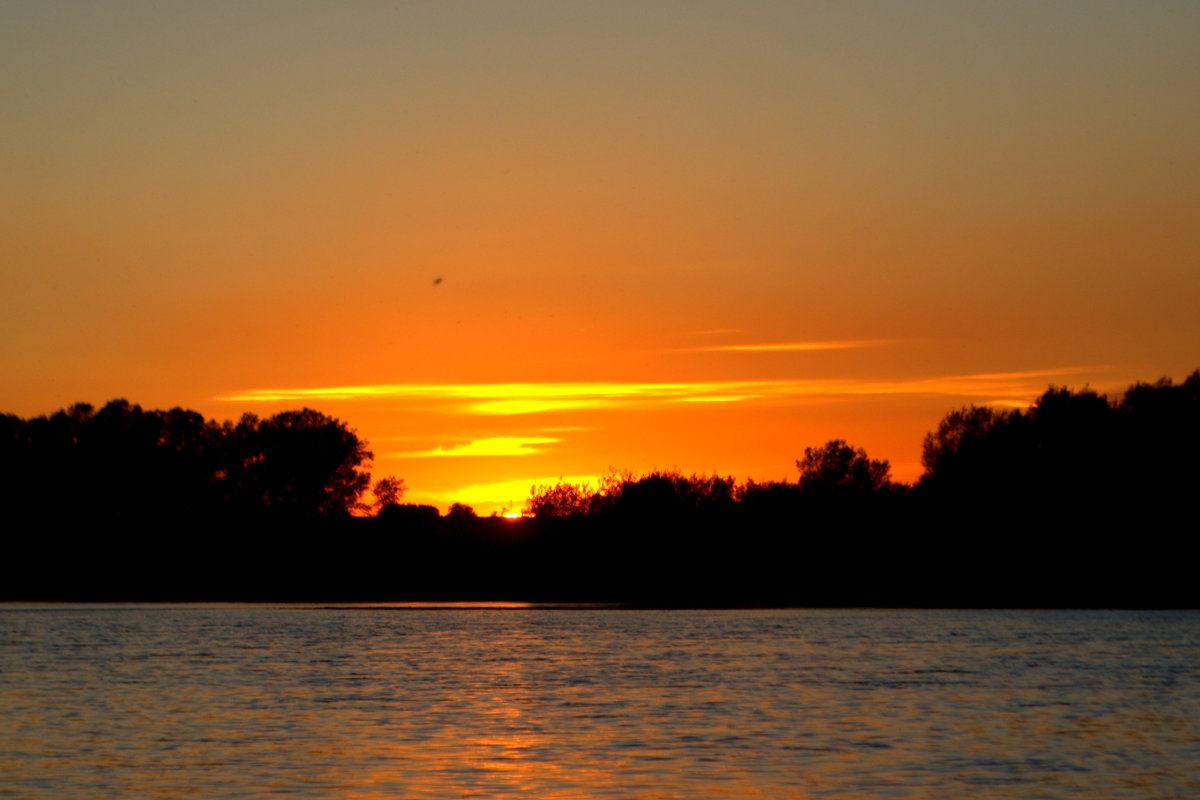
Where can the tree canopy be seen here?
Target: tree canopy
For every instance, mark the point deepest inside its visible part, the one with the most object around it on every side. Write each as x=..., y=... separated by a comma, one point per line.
x=126, y=463
x=836, y=467
x=1071, y=451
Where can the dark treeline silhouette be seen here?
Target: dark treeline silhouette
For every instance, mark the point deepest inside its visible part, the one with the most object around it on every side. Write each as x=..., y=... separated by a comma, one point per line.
x=126, y=465
x=1079, y=500
x=126, y=503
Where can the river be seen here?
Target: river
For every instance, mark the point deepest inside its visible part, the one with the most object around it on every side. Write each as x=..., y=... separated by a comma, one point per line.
x=509, y=701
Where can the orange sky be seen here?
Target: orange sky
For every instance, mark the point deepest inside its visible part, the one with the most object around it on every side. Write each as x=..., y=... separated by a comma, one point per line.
x=643, y=216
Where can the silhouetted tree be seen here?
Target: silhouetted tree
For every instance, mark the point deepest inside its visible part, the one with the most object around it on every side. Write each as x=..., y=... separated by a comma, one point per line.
x=314, y=464
x=1069, y=447
x=958, y=432
x=1071, y=461
x=388, y=491
x=836, y=467
x=773, y=500
x=974, y=449
x=1159, y=453
x=1015, y=507
x=296, y=463
x=662, y=493
x=461, y=511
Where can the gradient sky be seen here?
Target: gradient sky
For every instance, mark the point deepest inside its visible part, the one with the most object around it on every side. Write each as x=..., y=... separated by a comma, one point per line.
x=692, y=234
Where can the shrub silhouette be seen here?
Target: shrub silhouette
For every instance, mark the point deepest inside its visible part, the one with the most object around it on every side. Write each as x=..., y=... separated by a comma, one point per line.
x=561, y=499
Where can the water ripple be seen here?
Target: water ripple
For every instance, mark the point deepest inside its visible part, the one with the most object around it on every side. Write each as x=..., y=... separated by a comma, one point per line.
x=255, y=702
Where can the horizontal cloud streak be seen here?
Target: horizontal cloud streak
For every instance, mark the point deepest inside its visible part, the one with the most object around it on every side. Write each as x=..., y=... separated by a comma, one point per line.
x=531, y=398
x=784, y=347
x=531, y=405
x=500, y=398
x=494, y=446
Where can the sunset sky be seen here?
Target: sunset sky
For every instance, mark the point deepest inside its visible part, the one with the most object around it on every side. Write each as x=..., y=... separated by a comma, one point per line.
x=512, y=242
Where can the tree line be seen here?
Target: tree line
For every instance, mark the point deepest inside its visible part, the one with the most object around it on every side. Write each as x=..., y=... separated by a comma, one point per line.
x=1079, y=499
x=125, y=465
x=1070, y=453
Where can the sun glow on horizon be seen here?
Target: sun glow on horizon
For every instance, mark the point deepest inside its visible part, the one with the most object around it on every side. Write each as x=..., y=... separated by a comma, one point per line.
x=585, y=422
x=506, y=496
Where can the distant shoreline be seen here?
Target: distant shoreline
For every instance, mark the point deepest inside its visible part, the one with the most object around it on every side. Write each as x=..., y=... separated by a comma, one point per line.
x=1080, y=501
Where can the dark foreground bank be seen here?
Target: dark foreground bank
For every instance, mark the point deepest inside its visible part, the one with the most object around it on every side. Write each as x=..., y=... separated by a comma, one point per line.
x=891, y=557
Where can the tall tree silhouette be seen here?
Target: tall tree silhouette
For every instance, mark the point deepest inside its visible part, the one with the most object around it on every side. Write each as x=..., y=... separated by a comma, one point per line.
x=303, y=463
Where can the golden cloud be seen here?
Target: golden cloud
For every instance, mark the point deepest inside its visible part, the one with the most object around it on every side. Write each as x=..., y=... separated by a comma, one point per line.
x=493, y=446
x=785, y=347
x=534, y=398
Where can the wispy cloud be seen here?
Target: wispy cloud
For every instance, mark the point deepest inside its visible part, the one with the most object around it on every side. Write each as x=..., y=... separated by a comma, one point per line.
x=719, y=398
x=493, y=446
x=785, y=347
x=533, y=405
x=532, y=398
x=499, y=398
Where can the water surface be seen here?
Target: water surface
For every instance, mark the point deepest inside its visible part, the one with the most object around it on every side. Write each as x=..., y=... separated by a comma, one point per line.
x=255, y=702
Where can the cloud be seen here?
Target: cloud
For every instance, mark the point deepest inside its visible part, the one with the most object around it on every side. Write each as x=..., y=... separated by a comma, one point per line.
x=719, y=398
x=534, y=398
x=531, y=405
x=494, y=446
x=497, y=398
x=785, y=347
